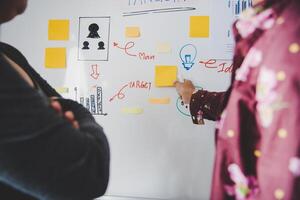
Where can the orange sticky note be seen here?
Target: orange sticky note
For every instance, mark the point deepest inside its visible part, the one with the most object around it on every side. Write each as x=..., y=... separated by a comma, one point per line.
x=163, y=48
x=133, y=110
x=55, y=57
x=132, y=32
x=58, y=29
x=62, y=90
x=199, y=26
x=165, y=76
x=159, y=100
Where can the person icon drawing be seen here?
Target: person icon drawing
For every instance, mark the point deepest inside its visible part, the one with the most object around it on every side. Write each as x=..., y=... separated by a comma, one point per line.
x=93, y=28
x=86, y=45
x=101, y=45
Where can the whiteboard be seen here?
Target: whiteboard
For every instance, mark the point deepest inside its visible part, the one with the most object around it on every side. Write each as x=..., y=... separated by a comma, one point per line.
x=158, y=154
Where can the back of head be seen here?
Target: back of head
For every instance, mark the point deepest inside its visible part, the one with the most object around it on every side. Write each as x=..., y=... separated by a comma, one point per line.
x=11, y=8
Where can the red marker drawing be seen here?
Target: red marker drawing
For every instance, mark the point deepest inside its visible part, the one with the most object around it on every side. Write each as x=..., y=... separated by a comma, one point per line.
x=95, y=74
x=128, y=46
x=209, y=64
x=119, y=95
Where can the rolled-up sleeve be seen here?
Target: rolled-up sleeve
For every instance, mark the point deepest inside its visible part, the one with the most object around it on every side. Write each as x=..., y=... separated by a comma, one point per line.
x=208, y=105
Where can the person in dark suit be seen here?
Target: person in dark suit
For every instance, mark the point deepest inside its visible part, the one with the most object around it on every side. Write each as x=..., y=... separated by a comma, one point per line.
x=50, y=147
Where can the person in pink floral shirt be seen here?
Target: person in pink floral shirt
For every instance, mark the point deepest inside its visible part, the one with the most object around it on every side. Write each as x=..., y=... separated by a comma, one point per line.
x=258, y=117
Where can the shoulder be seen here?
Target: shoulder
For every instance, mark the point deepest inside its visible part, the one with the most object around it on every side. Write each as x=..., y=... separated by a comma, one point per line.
x=13, y=53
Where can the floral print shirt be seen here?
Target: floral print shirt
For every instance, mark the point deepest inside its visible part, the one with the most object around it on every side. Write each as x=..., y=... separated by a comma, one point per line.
x=258, y=117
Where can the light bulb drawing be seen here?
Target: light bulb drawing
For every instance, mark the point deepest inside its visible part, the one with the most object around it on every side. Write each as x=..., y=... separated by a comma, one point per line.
x=188, y=55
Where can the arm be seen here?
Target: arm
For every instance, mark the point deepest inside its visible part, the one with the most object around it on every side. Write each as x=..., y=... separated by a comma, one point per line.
x=41, y=153
x=203, y=104
x=209, y=104
x=82, y=115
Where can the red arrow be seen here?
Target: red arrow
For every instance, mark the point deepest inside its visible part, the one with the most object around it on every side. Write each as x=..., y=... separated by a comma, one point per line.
x=120, y=94
x=128, y=45
x=95, y=74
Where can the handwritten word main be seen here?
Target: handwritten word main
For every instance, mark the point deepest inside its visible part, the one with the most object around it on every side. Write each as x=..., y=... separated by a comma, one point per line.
x=144, y=56
x=141, y=55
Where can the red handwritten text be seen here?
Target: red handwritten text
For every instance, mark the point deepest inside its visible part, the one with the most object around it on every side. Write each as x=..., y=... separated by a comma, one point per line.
x=144, y=56
x=120, y=94
x=132, y=84
x=128, y=46
x=224, y=66
x=140, y=55
x=140, y=84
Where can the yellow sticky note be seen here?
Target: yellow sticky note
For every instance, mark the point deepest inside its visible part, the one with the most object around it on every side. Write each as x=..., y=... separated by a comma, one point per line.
x=165, y=76
x=163, y=48
x=159, y=100
x=134, y=111
x=58, y=29
x=199, y=26
x=133, y=32
x=55, y=57
x=62, y=90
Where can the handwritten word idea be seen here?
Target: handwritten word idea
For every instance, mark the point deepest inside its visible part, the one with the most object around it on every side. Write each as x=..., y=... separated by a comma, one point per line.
x=224, y=66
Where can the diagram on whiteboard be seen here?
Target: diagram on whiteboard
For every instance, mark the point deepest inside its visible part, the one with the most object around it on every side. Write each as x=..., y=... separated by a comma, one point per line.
x=92, y=102
x=93, y=38
x=238, y=6
x=188, y=55
x=222, y=36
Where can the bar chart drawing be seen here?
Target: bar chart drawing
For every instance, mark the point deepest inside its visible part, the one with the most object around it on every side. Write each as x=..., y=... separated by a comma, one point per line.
x=94, y=103
x=238, y=6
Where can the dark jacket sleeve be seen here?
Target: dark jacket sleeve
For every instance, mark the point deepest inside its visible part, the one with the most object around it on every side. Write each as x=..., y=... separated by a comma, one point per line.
x=207, y=105
x=41, y=153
